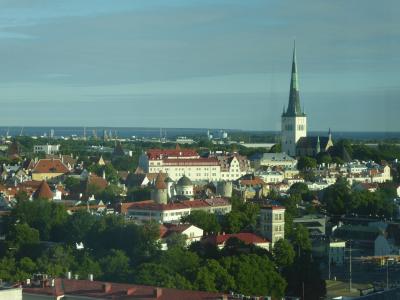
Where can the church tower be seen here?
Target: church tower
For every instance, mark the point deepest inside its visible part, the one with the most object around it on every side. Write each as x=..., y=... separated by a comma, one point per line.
x=294, y=120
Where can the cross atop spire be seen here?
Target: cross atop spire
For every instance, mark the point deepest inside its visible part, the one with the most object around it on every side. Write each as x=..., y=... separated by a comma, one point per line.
x=294, y=108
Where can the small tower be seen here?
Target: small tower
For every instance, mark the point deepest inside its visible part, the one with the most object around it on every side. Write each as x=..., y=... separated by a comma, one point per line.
x=159, y=194
x=294, y=120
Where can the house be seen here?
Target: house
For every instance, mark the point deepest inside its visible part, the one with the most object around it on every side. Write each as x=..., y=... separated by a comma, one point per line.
x=46, y=169
x=191, y=232
x=248, y=238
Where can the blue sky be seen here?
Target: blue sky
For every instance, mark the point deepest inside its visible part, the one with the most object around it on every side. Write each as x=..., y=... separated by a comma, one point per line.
x=204, y=63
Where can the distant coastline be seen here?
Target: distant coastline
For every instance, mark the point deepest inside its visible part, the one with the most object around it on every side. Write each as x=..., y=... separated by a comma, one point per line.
x=126, y=132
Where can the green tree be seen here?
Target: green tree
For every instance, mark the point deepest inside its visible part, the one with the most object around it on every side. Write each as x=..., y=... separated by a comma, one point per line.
x=115, y=266
x=213, y=277
x=324, y=158
x=283, y=253
x=254, y=275
x=176, y=240
x=158, y=275
x=206, y=221
x=336, y=197
x=306, y=163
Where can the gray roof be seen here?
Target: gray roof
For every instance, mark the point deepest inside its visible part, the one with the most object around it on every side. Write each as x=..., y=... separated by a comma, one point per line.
x=312, y=141
x=277, y=156
x=184, y=181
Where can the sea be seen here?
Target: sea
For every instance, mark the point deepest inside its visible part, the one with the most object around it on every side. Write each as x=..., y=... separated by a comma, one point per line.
x=151, y=132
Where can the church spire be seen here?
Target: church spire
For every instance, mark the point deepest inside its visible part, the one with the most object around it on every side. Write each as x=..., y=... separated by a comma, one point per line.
x=294, y=108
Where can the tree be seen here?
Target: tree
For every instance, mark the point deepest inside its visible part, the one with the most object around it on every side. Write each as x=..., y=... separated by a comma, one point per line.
x=306, y=163
x=22, y=234
x=301, y=239
x=47, y=217
x=79, y=226
x=254, y=275
x=213, y=277
x=73, y=185
x=176, y=240
x=159, y=275
x=336, y=196
x=283, y=253
x=138, y=194
x=115, y=266
x=277, y=148
x=21, y=196
x=324, y=158
x=298, y=188
x=112, y=193
x=206, y=221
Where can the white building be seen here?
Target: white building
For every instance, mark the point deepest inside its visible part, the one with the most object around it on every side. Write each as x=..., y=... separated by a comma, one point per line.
x=47, y=149
x=272, y=223
x=270, y=176
x=149, y=210
x=179, y=162
x=191, y=232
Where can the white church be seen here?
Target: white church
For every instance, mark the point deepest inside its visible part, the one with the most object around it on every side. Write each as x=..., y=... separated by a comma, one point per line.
x=295, y=141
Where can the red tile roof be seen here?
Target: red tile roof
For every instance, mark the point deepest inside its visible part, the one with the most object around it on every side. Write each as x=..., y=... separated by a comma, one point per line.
x=43, y=192
x=165, y=153
x=252, y=182
x=104, y=290
x=245, y=237
x=273, y=207
x=190, y=161
x=50, y=166
x=160, y=182
x=151, y=205
x=98, y=181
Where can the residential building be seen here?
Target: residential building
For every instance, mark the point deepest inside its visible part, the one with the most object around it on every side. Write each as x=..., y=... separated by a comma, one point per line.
x=272, y=223
x=248, y=238
x=149, y=210
x=47, y=149
x=46, y=169
x=191, y=232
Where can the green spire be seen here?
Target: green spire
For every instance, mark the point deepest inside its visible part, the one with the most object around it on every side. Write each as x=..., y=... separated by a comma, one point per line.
x=294, y=108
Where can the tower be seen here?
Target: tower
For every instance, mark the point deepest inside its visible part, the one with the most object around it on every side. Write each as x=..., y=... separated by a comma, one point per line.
x=294, y=120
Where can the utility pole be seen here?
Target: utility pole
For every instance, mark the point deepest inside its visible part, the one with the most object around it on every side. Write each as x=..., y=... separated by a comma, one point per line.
x=387, y=274
x=329, y=260
x=350, y=269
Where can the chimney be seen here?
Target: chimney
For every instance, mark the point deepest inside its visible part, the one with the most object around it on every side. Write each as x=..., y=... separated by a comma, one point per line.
x=106, y=287
x=130, y=291
x=90, y=277
x=69, y=275
x=157, y=292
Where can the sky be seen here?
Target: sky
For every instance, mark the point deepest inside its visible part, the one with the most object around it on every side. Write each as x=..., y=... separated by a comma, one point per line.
x=199, y=63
